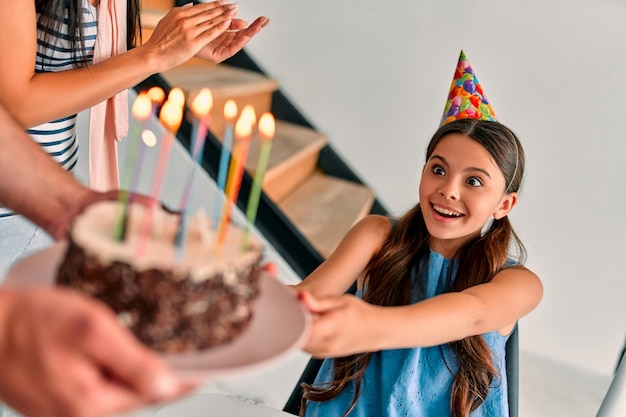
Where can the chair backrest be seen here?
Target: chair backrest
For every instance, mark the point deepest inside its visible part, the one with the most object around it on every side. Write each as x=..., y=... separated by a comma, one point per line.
x=512, y=371
x=614, y=402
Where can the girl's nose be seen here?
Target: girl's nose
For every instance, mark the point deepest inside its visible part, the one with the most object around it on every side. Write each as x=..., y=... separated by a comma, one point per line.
x=449, y=191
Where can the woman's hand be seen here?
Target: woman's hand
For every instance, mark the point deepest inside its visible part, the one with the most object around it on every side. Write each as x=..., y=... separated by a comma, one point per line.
x=186, y=30
x=342, y=325
x=233, y=40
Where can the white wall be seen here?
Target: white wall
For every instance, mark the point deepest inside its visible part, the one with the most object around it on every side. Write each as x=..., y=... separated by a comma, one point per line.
x=374, y=77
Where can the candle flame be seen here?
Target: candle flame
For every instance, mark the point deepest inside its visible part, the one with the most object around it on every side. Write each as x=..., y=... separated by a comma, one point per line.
x=248, y=114
x=142, y=107
x=157, y=95
x=243, y=127
x=230, y=111
x=177, y=96
x=202, y=103
x=267, y=126
x=171, y=115
x=149, y=138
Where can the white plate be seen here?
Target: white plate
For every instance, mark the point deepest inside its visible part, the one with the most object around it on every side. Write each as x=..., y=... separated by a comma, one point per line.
x=279, y=326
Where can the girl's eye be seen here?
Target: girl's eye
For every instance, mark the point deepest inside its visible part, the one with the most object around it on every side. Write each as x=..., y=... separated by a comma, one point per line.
x=437, y=170
x=474, y=181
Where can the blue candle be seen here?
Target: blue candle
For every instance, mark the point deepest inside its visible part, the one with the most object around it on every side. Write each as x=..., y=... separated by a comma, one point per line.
x=230, y=115
x=201, y=106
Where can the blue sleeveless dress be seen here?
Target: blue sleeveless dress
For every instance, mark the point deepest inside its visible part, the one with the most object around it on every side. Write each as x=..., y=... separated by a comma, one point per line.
x=415, y=382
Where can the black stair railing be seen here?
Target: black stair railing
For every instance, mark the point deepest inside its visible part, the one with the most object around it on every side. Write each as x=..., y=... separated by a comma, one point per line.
x=270, y=221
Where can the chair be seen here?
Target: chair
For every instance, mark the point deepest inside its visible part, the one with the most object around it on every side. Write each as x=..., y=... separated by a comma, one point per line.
x=512, y=371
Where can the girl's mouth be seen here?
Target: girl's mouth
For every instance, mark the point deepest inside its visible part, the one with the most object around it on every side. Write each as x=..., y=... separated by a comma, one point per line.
x=447, y=213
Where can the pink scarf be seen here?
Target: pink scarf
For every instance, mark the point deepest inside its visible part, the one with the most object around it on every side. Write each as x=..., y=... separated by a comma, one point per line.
x=108, y=121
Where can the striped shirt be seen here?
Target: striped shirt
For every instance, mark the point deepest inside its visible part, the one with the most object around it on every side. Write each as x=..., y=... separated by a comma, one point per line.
x=58, y=138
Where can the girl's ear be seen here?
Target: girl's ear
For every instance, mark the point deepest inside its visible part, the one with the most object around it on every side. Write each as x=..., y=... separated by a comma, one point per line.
x=508, y=202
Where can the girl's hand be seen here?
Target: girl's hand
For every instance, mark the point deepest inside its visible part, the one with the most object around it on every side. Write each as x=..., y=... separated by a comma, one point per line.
x=233, y=40
x=342, y=325
x=186, y=30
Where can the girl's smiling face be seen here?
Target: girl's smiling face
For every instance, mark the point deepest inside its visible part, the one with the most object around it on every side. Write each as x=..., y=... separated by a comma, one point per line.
x=461, y=188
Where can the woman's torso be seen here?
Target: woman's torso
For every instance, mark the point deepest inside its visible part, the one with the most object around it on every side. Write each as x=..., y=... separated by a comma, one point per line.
x=58, y=137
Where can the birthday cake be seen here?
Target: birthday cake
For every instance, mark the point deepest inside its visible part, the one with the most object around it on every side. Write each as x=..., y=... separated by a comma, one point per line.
x=173, y=298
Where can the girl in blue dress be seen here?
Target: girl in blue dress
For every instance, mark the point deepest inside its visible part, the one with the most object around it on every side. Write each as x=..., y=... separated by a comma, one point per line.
x=439, y=291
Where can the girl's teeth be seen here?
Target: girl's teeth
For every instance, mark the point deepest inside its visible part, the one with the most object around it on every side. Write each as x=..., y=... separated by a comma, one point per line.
x=446, y=211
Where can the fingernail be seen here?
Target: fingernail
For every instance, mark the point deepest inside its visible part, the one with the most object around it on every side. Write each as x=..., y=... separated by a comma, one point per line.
x=165, y=385
x=233, y=6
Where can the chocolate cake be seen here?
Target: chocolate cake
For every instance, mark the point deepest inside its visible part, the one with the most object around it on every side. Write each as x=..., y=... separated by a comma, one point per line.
x=171, y=302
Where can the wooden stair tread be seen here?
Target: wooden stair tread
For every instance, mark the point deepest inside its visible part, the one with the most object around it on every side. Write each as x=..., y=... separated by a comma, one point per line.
x=223, y=80
x=324, y=209
x=150, y=18
x=152, y=11
x=157, y=4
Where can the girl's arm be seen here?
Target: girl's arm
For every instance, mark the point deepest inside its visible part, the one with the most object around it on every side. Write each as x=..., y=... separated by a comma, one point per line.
x=346, y=263
x=35, y=98
x=346, y=325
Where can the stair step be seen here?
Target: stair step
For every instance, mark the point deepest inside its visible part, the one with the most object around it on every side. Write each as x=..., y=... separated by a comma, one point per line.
x=324, y=209
x=152, y=11
x=293, y=158
x=225, y=82
x=163, y=5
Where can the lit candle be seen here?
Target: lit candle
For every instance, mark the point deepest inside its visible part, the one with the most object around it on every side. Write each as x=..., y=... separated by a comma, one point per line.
x=148, y=137
x=200, y=106
x=267, y=127
x=148, y=140
x=142, y=107
x=176, y=96
x=243, y=132
x=230, y=115
x=170, y=117
x=157, y=96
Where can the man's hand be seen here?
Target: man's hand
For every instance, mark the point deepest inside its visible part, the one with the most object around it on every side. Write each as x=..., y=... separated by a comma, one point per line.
x=63, y=354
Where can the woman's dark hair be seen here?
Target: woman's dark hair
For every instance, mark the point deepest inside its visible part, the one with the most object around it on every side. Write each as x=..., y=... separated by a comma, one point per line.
x=50, y=15
x=388, y=274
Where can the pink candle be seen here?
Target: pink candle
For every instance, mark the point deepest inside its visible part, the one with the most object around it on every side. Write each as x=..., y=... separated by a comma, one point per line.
x=157, y=96
x=170, y=117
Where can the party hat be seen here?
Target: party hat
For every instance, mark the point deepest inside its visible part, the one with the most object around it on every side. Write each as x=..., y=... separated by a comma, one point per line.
x=466, y=99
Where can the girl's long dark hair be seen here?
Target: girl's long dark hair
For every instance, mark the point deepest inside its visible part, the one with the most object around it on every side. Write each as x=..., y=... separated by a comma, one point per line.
x=51, y=12
x=388, y=274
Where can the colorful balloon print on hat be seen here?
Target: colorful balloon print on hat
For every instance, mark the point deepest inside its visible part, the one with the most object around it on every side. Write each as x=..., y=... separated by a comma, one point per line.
x=466, y=99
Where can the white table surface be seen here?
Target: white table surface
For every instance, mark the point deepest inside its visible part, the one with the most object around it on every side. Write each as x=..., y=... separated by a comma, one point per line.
x=210, y=404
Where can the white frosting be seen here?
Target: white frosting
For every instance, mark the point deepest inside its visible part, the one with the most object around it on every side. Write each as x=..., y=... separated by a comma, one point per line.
x=202, y=256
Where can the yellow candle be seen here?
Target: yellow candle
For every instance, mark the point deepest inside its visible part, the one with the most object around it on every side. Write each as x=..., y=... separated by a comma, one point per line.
x=243, y=132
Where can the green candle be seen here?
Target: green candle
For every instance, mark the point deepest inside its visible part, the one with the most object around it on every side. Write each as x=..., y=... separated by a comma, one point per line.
x=267, y=127
x=141, y=110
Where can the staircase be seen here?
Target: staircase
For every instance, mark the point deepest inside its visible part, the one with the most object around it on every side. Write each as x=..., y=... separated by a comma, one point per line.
x=310, y=196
